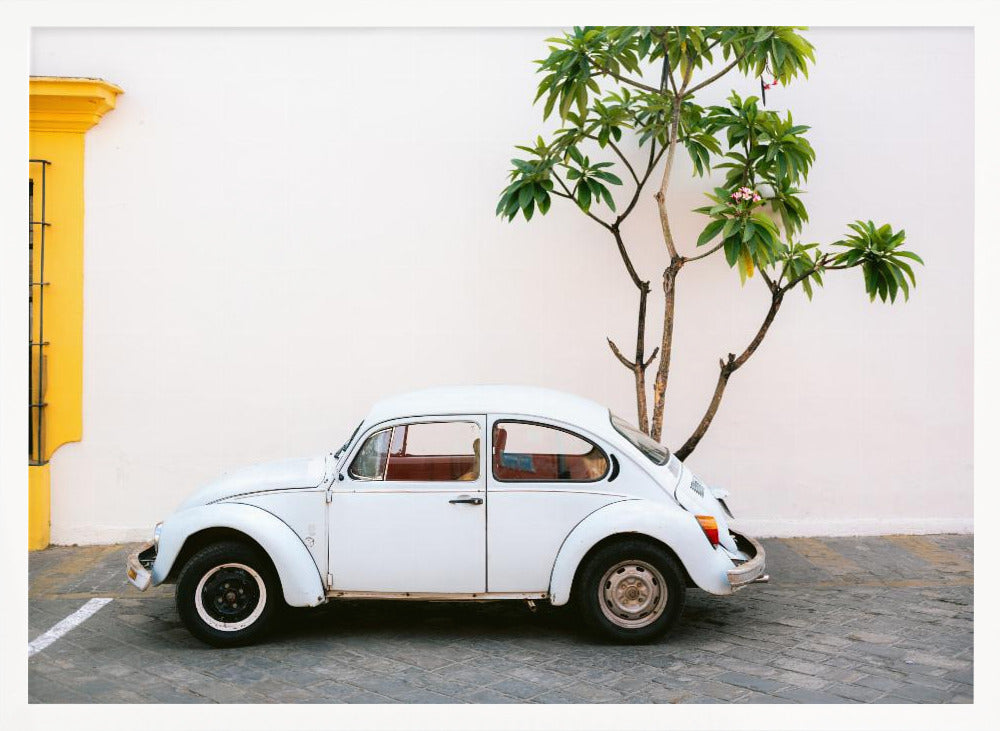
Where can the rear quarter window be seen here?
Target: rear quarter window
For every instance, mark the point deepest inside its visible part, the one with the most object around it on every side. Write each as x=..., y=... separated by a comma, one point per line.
x=532, y=452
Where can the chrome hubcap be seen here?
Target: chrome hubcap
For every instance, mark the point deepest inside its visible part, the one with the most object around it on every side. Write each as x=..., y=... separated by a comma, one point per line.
x=632, y=594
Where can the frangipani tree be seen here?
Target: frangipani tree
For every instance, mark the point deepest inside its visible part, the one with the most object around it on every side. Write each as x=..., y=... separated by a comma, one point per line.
x=608, y=82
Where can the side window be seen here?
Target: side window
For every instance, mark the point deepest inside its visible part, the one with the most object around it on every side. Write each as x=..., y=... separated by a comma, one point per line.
x=441, y=451
x=525, y=452
x=369, y=463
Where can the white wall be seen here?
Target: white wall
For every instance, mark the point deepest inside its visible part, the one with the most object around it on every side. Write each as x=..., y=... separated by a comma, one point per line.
x=282, y=226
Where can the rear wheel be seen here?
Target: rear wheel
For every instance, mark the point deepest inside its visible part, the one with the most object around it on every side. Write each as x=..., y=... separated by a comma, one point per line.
x=227, y=594
x=630, y=591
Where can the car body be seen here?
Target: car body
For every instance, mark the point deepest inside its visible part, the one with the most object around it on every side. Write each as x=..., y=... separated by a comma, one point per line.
x=468, y=493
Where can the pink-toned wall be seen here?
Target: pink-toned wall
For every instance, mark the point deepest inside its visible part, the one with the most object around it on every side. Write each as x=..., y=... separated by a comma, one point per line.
x=283, y=226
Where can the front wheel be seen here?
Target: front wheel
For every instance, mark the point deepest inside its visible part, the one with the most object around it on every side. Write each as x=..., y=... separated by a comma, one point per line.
x=227, y=594
x=630, y=591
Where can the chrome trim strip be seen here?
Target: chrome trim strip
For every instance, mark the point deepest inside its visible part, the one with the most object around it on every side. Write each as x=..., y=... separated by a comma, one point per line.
x=435, y=596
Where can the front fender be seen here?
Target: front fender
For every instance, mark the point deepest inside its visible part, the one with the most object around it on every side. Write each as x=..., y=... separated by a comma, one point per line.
x=301, y=583
x=669, y=524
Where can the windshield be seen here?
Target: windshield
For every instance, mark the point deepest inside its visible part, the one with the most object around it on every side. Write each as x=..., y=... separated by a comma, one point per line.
x=348, y=442
x=656, y=452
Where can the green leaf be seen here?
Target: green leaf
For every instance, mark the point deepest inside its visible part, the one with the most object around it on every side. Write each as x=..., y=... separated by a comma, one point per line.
x=710, y=232
x=909, y=255
x=871, y=287
x=525, y=195
x=900, y=279
x=610, y=177
x=746, y=264
x=729, y=227
x=732, y=249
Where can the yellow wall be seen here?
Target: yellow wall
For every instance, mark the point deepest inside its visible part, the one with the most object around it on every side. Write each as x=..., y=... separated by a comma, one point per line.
x=61, y=112
x=39, y=506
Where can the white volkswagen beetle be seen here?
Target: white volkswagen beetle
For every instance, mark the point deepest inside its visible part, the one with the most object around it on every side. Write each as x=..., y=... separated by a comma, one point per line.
x=457, y=494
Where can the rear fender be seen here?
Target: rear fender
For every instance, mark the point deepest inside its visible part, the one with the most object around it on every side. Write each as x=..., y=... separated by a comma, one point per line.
x=300, y=579
x=667, y=523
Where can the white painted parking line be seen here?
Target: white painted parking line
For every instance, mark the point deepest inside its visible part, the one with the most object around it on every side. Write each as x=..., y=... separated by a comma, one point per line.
x=81, y=615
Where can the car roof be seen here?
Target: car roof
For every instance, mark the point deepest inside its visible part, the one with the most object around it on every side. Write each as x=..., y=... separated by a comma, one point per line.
x=515, y=400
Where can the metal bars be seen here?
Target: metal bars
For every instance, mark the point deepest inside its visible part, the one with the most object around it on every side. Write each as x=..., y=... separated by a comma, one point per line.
x=36, y=316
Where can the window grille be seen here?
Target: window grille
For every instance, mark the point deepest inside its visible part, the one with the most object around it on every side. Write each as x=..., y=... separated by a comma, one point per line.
x=37, y=224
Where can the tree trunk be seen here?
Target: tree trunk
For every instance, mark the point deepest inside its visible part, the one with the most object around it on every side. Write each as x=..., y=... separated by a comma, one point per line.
x=666, y=347
x=669, y=278
x=640, y=398
x=639, y=368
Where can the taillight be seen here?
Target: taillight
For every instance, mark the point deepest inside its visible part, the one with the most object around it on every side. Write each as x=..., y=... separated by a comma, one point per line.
x=711, y=528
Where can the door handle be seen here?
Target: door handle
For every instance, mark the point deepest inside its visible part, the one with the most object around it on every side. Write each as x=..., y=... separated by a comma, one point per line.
x=467, y=500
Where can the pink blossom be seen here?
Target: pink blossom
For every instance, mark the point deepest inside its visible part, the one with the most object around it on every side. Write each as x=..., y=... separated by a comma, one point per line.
x=745, y=194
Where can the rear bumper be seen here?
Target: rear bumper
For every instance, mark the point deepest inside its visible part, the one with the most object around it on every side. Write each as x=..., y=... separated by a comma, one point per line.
x=138, y=566
x=751, y=570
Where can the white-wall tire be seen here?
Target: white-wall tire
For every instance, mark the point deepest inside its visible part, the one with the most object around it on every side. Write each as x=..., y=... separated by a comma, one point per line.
x=227, y=593
x=236, y=623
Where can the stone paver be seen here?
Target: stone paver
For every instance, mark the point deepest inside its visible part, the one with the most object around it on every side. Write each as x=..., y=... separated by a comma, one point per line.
x=845, y=620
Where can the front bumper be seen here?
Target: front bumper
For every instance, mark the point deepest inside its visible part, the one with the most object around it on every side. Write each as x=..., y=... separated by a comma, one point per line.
x=138, y=566
x=751, y=570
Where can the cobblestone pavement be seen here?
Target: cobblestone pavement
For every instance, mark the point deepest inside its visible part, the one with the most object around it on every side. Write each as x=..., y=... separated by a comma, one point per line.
x=873, y=620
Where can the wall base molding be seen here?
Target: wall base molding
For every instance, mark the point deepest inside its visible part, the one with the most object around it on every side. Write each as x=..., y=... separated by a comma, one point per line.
x=757, y=527
x=819, y=527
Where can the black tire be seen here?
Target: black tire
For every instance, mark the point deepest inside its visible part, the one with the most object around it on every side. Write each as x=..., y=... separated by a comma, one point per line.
x=245, y=596
x=646, y=579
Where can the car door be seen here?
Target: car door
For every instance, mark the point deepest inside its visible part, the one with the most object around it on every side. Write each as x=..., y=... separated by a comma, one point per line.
x=408, y=510
x=544, y=478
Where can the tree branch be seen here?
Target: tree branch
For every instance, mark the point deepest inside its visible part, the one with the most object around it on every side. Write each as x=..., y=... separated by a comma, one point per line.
x=666, y=75
x=661, y=194
x=572, y=197
x=781, y=274
x=627, y=260
x=706, y=253
x=767, y=280
x=654, y=160
x=712, y=45
x=621, y=156
x=639, y=366
x=618, y=354
x=761, y=332
x=666, y=346
x=622, y=79
x=726, y=369
x=821, y=264
x=651, y=358
x=669, y=274
x=719, y=75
